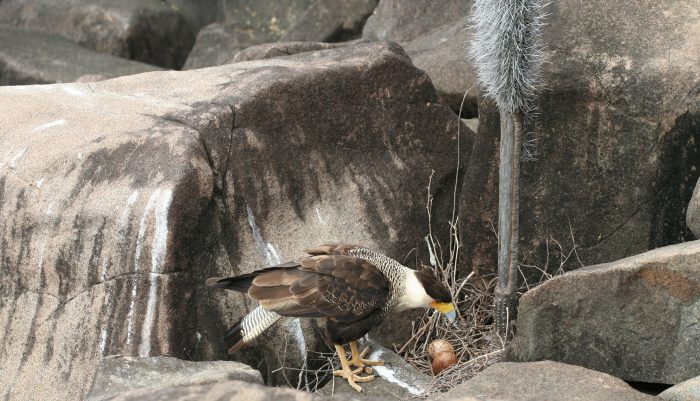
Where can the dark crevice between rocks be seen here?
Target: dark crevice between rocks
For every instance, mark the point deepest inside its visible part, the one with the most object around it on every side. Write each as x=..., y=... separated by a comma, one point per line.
x=649, y=388
x=677, y=177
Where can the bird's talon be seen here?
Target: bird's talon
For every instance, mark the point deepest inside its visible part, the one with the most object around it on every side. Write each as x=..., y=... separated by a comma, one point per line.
x=369, y=370
x=364, y=352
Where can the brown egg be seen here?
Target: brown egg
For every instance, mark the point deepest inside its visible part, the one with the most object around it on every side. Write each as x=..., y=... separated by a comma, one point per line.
x=442, y=355
x=438, y=346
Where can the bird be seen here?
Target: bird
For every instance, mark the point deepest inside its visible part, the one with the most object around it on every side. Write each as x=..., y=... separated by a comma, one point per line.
x=349, y=289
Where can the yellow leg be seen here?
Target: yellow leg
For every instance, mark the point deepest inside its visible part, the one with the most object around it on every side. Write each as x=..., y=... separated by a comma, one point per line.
x=347, y=373
x=358, y=358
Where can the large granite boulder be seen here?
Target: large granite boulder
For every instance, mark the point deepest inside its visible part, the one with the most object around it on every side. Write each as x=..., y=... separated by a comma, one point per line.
x=154, y=32
x=119, y=374
x=331, y=21
x=251, y=22
x=435, y=35
x=118, y=198
x=36, y=57
x=405, y=20
x=243, y=23
x=615, y=135
x=636, y=318
x=543, y=381
x=688, y=390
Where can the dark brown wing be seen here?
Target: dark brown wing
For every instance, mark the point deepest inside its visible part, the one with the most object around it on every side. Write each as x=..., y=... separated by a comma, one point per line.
x=339, y=287
x=331, y=249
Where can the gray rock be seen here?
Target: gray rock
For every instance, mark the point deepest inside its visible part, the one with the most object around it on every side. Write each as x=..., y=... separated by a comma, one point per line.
x=331, y=21
x=615, y=136
x=692, y=216
x=257, y=23
x=688, y=390
x=396, y=380
x=118, y=198
x=35, y=57
x=119, y=374
x=154, y=32
x=405, y=20
x=435, y=36
x=217, y=43
x=442, y=54
x=233, y=391
x=269, y=18
x=544, y=381
x=281, y=49
x=244, y=23
x=636, y=318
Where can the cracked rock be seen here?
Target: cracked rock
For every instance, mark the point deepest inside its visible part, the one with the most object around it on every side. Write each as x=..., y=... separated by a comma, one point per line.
x=543, y=381
x=636, y=318
x=119, y=197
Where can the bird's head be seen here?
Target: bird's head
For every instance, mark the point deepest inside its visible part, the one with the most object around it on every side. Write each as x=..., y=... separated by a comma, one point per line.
x=424, y=290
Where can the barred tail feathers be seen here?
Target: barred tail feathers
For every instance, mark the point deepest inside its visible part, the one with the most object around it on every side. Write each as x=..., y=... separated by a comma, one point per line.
x=251, y=326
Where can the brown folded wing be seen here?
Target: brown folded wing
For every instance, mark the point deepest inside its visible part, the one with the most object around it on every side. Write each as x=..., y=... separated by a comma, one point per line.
x=340, y=287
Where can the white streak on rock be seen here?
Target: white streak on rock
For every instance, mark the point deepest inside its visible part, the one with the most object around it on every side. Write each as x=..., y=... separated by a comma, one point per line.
x=103, y=340
x=273, y=257
x=50, y=124
x=257, y=237
x=143, y=225
x=18, y=156
x=105, y=265
x=158, y=253
x=319, y=217
x=298, y=333
x=49, y=209
x=391, y=376
x=40, y=182
x=73, y=91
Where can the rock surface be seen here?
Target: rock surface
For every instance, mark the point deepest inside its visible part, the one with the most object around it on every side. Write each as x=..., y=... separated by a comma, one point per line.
x=234, y=391
x=688, y=390
x=119, y=198
x=543, y=381
x=154, y=32
x=35, y=57
x=281, y=49
x=251, y=22
x=636, y=318
x=245, y=23
x=396, y=380
x=615, y=136
x=435, y=35
x=119, y=374
x=331, y=21
x=217, y=43
x=405, y=20
x=692, y=216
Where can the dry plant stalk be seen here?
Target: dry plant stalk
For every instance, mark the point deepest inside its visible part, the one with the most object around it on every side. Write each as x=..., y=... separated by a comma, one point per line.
x=473, y=335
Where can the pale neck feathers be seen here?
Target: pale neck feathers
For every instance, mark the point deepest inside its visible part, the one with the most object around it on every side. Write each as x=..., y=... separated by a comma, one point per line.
x=407, y=292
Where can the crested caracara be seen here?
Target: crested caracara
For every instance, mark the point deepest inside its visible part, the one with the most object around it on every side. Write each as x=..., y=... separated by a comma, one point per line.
x=350, y=290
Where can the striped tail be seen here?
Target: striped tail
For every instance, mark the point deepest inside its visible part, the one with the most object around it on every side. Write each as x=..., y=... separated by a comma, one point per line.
x=251, y=326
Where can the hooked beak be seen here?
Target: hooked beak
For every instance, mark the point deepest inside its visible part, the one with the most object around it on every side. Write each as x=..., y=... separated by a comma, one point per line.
x=447, y=309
